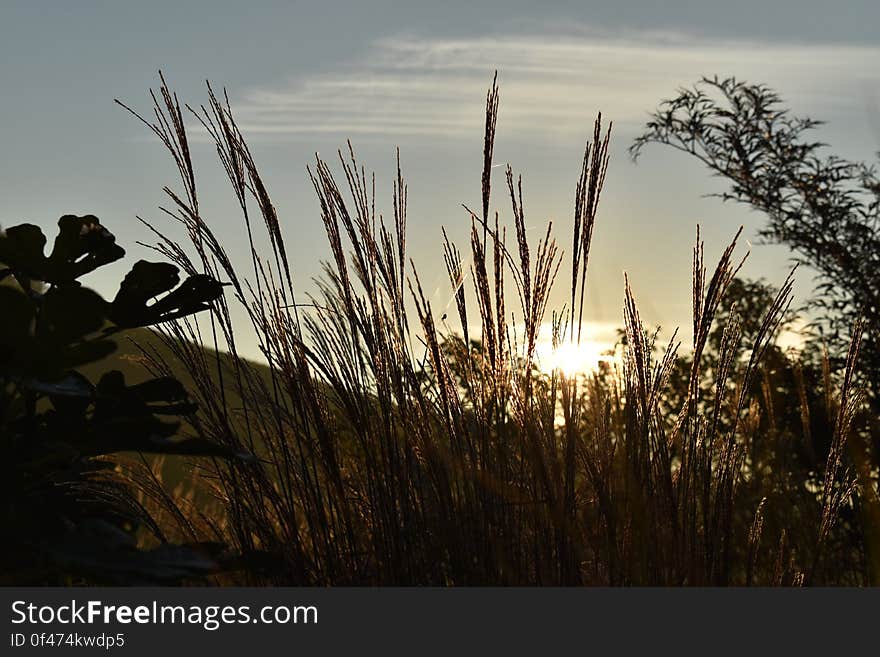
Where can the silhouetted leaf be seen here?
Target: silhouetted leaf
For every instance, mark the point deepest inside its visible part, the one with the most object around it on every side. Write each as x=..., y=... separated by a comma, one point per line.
x=73, y=384
x=146, y=281
x=85, y=352
x=71, y=313
x=192, y=296
x=110, y=556
x=82, y=245
x=193, y=447
x=164, y=388
x=21, y=249
x=70, y=395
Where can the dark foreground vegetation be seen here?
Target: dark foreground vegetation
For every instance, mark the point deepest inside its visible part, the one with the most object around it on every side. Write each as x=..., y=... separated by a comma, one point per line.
x=378, y=446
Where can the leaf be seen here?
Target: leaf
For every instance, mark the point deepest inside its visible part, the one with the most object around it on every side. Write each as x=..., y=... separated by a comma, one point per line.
x=192, y=296
x=67, y=316
x=164, y=395
x=71, y=313
x=82, y=245
x=73, y=384
x=21, y=249
x=193, y=447
x=109, y=553
x=146, y=281
x=85, y=352
x=125, y=419
x=165, y=388
x=70, y=395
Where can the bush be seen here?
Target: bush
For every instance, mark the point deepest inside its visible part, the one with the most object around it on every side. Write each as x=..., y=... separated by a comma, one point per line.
x=68, y=517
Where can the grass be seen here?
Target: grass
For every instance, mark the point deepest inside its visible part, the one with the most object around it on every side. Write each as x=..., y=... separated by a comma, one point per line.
x=392, y=451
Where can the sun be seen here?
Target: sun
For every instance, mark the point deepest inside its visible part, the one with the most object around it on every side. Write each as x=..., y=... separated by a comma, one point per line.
x=572, y=358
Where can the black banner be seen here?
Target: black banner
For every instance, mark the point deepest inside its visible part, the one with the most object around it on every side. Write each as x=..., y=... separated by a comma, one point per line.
x=390, y=621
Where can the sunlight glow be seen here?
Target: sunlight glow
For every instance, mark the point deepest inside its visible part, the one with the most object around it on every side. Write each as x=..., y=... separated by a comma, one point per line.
x=571, y=358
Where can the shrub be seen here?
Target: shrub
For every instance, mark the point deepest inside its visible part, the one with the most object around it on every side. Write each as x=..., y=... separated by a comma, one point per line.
x=68, y=518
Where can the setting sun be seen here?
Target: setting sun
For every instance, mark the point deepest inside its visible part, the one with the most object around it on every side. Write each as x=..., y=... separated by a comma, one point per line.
x=572, y=358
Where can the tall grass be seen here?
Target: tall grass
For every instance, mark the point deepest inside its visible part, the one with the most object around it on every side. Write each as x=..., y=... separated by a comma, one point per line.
x=395, y=451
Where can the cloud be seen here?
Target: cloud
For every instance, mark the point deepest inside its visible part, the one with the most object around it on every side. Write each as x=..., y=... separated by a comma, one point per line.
x=552, y=83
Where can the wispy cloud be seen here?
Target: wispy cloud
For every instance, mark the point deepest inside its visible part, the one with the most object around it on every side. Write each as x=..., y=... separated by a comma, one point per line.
x=553, y=83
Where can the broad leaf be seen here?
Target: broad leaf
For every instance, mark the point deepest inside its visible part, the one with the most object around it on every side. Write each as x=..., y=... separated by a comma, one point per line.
x=148, y=280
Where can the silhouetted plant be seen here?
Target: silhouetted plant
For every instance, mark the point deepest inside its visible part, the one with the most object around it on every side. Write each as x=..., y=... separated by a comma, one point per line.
x=823, y=207
x=66, y=516
x=397, y=451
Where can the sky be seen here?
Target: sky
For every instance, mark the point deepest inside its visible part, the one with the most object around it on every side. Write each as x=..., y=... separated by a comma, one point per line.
x=304, y=77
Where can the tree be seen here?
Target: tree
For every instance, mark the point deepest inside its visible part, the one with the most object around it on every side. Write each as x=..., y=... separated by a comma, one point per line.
x=823, y=207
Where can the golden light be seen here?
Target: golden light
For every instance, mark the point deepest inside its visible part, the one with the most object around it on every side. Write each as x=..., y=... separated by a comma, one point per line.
x=571, y=358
